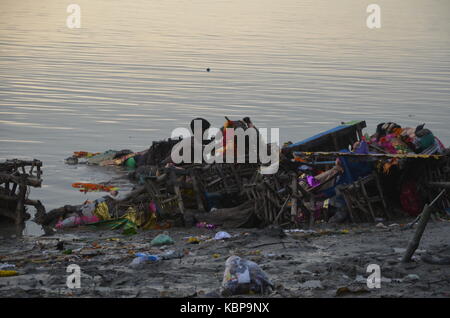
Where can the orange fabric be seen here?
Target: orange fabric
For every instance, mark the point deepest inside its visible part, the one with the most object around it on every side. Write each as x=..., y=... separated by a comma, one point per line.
x=83, y=154
x=90, y=187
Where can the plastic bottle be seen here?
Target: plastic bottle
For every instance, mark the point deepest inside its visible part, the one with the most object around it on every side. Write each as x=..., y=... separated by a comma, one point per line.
x=148, y=257
x=143, y=258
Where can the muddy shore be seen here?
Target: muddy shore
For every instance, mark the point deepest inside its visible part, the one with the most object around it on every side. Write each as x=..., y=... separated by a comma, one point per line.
x=330, y=262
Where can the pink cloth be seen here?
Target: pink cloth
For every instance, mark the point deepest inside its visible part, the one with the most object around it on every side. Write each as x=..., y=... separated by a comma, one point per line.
x=76, y=220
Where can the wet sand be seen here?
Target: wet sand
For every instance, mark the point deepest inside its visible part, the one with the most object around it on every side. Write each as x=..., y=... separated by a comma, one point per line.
x=299, y=264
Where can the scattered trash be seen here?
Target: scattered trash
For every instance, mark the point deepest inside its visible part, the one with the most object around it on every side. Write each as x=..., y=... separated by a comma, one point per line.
x=386, y=280
x=360, y=279
x=76, y=221
x=222, y=235
x=300, y=231
x=312, y=284
x=5, y=273
x=363, y=280
x=206, y=226
x=317, y=182
x=162, y=239
x=113, y=239
x=71, y=160
x=171, y=254
x=93, y=187
x=148, y=257
x=436, y=260
x=335, y=176
x=60, y=246
x=193, y=240
x=411, y=278
x=89, y=252
x=142, y=258
x=5, y=265
x=342, y=291
x=243, y=277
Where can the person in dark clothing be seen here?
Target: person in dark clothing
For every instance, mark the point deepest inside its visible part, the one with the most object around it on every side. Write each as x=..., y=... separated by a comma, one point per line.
x=194, y=142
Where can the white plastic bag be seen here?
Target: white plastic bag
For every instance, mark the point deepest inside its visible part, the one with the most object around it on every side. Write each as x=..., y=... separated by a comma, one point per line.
x=242, y=277
x=222, y=235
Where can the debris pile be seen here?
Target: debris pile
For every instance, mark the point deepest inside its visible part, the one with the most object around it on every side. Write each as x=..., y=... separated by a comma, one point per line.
x=336, y=176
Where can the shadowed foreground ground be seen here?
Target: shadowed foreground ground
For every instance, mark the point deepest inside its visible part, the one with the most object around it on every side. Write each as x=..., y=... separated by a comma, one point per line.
x=299, y=265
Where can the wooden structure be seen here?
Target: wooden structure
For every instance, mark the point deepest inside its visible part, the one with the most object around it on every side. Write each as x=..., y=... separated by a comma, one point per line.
x=335, y=139
x=361, y=198
x=277, y=198
x=169, y=203
x=166, y=190
x=437, y=178
x=16, y=176
x=225, y=178
x=268, y=198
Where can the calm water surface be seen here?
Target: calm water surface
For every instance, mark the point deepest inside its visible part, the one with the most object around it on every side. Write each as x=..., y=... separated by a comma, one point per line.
x=136, y=69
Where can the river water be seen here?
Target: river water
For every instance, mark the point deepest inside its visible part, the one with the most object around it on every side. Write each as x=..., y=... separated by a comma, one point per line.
x=136, y=70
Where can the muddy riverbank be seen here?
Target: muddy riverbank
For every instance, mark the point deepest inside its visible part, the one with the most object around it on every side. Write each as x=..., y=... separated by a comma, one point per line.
x=331, y=262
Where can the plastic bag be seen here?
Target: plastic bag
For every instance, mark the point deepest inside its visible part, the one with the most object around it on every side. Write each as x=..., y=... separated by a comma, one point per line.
x=243, y=277
x=222, y=235
x=141, y=259
x=162, y=239
x=76, y=220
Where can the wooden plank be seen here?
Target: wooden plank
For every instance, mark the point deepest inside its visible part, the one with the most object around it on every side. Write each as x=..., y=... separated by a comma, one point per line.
x=294, y=198
x=369, y=155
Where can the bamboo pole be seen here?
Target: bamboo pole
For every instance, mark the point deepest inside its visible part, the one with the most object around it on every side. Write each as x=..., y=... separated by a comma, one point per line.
x=363, y=155
x=294, y=198
x=414, y=243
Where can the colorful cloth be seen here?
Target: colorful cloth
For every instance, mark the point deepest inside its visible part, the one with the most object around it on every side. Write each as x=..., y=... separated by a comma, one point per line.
x=93, y=187
x=97, y=159
x=102, y=211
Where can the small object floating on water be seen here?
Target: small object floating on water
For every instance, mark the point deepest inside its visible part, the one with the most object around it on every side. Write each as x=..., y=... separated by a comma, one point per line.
x=84, y=154
x=208, y=69
x=91, y=187
x=72, y=160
